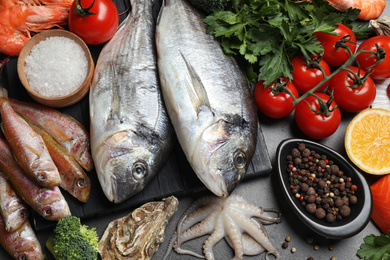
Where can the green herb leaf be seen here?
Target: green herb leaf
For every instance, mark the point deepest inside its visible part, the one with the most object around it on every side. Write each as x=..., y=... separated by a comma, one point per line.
x=267, y=34
x=375, y=247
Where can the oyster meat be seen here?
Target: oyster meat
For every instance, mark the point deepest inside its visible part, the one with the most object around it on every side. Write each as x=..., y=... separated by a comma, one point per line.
x=138, y=234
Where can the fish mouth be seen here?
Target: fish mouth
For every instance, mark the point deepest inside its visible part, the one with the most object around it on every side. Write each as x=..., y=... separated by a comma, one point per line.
x=224, y=157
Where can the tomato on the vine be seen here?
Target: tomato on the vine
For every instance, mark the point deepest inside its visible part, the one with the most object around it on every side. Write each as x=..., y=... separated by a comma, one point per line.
x=271, y=101
x=315, y=124
x=366, y=60
x=306, y=77
x=349, y=93
x=94, y=21
x=334, y=52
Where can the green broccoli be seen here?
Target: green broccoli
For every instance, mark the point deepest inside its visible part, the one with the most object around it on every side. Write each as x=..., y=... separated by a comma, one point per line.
x=208, y=6
x=71, y=240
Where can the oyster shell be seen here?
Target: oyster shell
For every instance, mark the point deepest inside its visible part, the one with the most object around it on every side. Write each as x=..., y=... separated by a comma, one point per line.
x=381, y=26
x=138, y=235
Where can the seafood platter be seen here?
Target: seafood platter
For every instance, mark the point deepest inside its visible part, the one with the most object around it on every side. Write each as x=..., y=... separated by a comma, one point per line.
x=186, y=164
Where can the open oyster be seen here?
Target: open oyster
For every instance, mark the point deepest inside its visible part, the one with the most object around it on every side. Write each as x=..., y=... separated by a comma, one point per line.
x=138, y=235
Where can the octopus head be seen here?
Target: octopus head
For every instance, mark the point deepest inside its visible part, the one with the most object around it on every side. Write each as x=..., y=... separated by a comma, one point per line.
x=224, y=152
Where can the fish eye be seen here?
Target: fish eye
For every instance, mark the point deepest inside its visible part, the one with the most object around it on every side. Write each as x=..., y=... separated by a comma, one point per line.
x=22, y=257
x=239, y=159
x=47, y=212
x=139, y=170
x=23, y=214
x=81, y=182
x=41, y=177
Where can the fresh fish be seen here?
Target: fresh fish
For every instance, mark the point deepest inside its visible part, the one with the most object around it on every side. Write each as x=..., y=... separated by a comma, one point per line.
x=12, y=207
x=47, y=201
x=207, y=97
x=131, y=135
x=66, y=130
x=28, y=147
x=21, y=243
x=73, y=178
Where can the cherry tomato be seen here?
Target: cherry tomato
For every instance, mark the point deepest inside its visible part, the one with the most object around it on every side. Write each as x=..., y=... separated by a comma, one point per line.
x=349, y=95
x=316, y=125
x=365, y=60
x=305, y=77
x=276, y=105
x=334, y=53
x=95, y=28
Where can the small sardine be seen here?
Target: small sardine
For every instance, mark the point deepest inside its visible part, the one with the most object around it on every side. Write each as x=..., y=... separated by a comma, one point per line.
x=73, y=178
x=12, y=207
x=207, y=96
x=22, y=243
x=46, y=201
x=66, y=130
x=28, y=147
x=131, y=136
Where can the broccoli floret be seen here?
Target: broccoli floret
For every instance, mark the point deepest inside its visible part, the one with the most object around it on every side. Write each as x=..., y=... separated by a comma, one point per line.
x=208, y=6
x=71, y=240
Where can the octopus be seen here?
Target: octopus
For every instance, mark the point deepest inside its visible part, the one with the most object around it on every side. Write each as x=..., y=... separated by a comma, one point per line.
x=138, y=234
x=233, y=218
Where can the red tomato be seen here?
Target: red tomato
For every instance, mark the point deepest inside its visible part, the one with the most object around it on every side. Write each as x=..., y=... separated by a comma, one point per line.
x=351, y=96
x=316, y=125
x=306, y=78
x=365, y=60
x=274, y=105
x=96, y=28
x=334, y=54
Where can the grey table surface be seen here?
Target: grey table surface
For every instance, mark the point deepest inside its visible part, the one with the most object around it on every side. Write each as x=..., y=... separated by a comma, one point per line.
x=262, y=192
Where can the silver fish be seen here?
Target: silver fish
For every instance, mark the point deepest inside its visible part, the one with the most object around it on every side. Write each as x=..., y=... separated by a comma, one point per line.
x=207, y=97
x=131, y=135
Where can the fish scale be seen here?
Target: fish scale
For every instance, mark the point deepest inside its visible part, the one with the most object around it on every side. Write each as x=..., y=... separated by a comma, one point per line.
x=131, y=135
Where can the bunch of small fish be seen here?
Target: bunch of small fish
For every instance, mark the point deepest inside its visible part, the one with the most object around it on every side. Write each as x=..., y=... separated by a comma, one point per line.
x=42, y=149
x=154, y=79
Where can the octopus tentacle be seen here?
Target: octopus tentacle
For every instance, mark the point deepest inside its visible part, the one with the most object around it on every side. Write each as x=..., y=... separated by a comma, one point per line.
x=213, y=239
x=249, y=227
x=266, y=216
x=235, y=236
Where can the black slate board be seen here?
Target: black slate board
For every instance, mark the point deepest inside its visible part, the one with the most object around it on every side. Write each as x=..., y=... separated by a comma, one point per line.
x=175, y=178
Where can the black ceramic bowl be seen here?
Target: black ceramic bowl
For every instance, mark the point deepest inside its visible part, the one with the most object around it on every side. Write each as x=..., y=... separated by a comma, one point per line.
x=339, y=229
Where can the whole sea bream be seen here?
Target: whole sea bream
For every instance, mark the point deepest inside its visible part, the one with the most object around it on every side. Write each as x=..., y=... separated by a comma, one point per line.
x=207, y=97
x=131, y=135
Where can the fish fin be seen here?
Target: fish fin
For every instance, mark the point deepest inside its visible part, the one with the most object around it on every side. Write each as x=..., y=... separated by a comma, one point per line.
x=196, y=90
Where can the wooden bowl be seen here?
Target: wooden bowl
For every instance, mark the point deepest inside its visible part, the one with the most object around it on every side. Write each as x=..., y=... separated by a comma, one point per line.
x=61, y=101
x=340, y=229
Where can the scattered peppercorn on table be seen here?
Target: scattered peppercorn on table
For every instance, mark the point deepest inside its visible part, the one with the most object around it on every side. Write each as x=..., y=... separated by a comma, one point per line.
x=291, y=237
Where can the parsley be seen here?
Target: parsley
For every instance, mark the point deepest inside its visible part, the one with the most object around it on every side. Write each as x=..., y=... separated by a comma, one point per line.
x=375, y=247
x=266, y=34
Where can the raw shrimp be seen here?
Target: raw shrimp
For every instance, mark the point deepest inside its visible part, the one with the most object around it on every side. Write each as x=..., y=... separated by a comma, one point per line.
x=18, y=21
x=370, y=9
x=9, y=3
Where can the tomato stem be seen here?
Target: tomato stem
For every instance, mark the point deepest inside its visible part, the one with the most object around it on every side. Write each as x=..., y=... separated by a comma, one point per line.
x=326, y=78
x=79, y=9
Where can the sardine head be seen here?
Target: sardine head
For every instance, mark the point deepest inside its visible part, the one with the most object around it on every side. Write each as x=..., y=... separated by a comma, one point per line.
x=222, y=156
x=125, y=165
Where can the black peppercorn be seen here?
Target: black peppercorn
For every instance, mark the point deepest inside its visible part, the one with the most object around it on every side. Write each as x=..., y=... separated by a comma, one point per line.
x=330, y=217
x=345, y=211
x=306, y=152
x=320, y=213
x=311, y=208
x=353, y=199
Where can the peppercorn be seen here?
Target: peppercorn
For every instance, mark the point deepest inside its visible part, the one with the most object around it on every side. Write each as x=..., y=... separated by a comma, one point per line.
x=330, y=217
x=320, y=213
x=353, y=199
x=316, y=247
x=311, y=208
x=339, y=203
x=295, y=153
x=293, y=250
x=288, y=239
x=345, y=211
x=331, y=247
x=310, y=258
x=284, y=245
x=304, y=186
